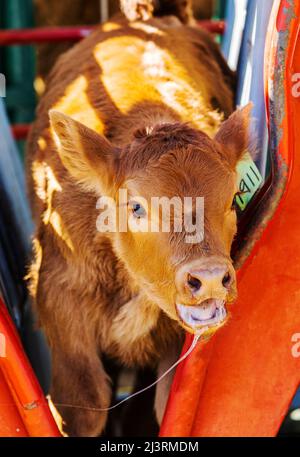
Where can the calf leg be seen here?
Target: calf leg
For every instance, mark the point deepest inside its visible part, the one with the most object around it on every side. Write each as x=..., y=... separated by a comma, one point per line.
x=78, y=376
x=145, y=9
x=80, y=380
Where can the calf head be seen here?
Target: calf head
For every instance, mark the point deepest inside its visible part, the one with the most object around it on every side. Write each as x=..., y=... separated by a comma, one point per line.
x=188, y=273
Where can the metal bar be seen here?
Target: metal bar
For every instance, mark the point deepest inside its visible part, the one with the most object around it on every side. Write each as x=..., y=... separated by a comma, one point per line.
x=11, y=424
x=13, y=181
x=20, y=131
x=55, y=34
x=217, y=27
x=104, y=10
x=43, y=35
x=27, y=394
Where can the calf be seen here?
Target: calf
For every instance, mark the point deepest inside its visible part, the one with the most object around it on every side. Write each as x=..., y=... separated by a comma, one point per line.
x=139, y=108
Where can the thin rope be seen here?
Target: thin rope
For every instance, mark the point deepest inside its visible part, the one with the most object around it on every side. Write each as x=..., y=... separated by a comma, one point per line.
x=187, y=353
x=104, y=10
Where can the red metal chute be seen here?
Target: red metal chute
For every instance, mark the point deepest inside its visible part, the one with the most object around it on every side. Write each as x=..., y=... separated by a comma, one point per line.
x=24, y=410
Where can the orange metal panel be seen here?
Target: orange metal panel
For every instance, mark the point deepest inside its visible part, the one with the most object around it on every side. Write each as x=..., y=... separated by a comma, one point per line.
x=11, y=424
x=19, y=383
x=252, y=373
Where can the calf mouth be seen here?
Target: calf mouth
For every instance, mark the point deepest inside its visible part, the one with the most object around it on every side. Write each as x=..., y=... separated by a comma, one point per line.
x=210, y=313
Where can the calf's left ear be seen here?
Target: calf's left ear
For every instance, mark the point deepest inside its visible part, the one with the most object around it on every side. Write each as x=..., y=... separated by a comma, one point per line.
x=234, y=136
x=88, y=156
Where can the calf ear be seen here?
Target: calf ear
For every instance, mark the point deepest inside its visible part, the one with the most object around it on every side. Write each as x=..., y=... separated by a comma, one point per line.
x=233, y=135
x=88, y=156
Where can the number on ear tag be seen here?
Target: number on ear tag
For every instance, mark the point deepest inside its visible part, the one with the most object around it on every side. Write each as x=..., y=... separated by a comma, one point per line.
x=249, y=181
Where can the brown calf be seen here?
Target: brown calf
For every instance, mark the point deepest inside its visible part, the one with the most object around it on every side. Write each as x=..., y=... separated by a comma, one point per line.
x=137, y=107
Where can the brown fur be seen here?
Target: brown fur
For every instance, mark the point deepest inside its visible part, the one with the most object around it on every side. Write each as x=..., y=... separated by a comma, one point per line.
x=61, y=13
x=141, y=100
x=87, y=12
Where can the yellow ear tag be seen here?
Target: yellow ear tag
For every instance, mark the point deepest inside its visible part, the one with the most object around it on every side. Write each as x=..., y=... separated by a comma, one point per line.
x=249, y=181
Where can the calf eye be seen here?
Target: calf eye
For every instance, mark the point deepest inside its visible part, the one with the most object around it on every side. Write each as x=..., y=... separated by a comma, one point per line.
x=137, y=209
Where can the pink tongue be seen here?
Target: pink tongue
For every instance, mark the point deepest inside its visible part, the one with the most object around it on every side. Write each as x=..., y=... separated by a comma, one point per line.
x=205, y=311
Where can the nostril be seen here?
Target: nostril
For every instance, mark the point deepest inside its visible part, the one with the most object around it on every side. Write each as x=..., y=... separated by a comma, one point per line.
x=193, y=283
x=226, y=279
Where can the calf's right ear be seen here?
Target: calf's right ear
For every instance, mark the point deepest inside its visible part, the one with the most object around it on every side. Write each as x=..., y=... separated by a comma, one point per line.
x=234, y=135
x=88, y=156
